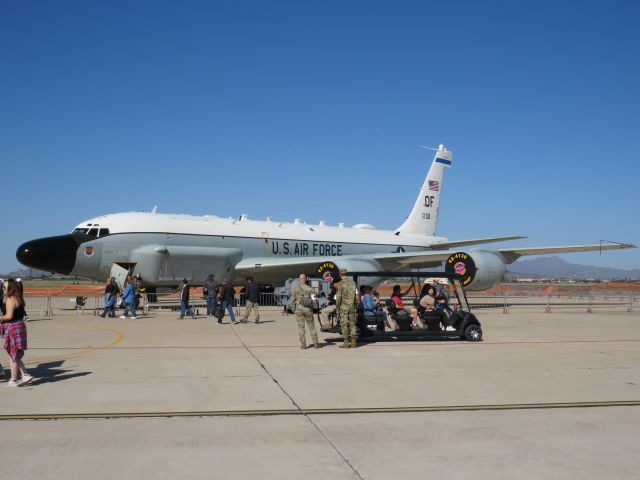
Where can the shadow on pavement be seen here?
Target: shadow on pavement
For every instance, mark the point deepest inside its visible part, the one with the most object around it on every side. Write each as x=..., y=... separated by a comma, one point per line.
x=49, y=372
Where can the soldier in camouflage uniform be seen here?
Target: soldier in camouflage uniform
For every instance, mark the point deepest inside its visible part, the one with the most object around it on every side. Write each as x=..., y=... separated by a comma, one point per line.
x=346, y=300
x=302, y=293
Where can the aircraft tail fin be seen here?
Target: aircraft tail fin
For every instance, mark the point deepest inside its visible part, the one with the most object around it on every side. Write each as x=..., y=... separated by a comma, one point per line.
x=424, y=217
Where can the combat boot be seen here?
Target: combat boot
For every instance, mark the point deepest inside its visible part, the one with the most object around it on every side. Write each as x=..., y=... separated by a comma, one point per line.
x=345, y=344
x=303, y=346
x=315, y=344
x=353, y=342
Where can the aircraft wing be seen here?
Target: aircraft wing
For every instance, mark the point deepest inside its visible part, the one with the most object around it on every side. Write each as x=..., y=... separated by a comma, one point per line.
x=401, y=260
x=512, y=254
x=429, y=258
x=477, y=241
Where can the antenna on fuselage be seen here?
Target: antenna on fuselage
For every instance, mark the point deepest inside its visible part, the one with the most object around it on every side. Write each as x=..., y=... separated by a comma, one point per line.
x=154, y=209
x=440, y=148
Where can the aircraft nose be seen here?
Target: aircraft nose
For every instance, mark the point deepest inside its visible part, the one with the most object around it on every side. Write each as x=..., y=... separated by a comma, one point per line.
x=51, y=254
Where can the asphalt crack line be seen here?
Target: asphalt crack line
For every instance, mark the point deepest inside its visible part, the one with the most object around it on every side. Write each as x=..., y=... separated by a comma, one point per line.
x=319, y=411
x=295, y=404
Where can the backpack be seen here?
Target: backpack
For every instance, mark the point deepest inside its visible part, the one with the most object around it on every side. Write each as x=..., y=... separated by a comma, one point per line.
x=218, y=311
x=306, y=301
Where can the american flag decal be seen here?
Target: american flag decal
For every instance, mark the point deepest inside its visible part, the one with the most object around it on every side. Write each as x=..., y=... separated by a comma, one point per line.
x=434, y=185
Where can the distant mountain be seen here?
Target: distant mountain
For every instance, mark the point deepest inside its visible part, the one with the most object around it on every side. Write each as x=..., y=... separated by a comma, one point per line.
x=555, y=267
x=24, y=272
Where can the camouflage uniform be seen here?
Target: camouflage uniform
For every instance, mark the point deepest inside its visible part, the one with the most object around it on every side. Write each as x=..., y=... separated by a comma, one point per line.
x=304, y=314
x=346, y=298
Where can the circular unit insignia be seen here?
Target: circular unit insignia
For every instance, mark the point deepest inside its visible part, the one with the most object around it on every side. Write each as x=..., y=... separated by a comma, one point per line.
x=328, y=269
x=461, y=264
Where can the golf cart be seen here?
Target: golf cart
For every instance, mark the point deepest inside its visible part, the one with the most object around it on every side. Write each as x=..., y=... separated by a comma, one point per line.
x=455, y=314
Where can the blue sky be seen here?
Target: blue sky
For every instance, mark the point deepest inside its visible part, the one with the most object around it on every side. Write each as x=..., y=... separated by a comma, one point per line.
x=318, y=109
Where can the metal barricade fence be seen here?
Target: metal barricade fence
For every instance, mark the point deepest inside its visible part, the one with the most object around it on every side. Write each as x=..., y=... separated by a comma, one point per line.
x=37, y=306
x=583, y=301
x=49, y=306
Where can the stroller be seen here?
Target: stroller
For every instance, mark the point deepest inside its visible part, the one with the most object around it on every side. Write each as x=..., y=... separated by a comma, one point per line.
x=80, y=302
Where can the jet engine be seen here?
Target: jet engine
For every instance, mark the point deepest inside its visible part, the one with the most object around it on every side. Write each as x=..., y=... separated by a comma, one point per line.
x=480, y=269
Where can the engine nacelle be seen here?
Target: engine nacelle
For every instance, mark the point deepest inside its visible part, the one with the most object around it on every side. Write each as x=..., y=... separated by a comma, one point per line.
x=480, y=269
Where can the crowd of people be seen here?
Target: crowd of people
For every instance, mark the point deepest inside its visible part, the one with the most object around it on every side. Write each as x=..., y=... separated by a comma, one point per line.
x=433, y=297
x=343, y=300
x=128, y=299
x=220, y=300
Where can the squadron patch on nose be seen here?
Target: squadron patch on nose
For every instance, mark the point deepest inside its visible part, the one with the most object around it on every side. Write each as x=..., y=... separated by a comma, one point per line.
x=88, y=251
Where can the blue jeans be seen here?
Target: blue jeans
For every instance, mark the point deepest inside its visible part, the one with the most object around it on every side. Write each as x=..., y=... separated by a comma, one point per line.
x=129, y=307
x=211, y=301
x=229, y=308
x=184, y=308
x=108, y=303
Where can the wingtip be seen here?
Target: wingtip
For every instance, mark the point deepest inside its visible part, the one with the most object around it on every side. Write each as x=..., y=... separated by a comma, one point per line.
x=619, y=245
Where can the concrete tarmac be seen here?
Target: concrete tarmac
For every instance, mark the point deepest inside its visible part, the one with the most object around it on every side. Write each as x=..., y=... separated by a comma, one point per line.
x=208, y=394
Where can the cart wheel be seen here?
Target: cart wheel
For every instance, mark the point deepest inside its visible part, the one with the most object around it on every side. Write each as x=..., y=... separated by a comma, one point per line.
x=473, y=333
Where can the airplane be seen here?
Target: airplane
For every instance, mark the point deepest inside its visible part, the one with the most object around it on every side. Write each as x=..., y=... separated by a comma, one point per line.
x=162, y=249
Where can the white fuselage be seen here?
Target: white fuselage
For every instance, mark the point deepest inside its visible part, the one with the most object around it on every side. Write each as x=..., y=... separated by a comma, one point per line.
x=209, y=244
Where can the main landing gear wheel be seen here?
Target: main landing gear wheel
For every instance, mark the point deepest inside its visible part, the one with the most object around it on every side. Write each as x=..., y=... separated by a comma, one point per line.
x=473, y=333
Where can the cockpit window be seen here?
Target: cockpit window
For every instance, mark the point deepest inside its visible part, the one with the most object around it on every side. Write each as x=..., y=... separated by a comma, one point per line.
x=94, y=231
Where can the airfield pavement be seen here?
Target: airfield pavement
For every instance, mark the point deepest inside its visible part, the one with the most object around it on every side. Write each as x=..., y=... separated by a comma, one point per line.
x=161, y=398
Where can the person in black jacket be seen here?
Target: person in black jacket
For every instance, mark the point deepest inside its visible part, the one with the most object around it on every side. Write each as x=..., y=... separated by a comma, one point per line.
x=184, y=301
x=227, y=296
x=252, y=300
x=209, y=289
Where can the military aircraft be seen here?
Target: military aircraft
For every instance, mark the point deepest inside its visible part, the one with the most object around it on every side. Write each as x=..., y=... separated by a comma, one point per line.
x=162, y=249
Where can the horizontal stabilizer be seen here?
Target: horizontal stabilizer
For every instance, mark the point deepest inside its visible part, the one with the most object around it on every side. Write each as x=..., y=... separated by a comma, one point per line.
x=477, y=241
